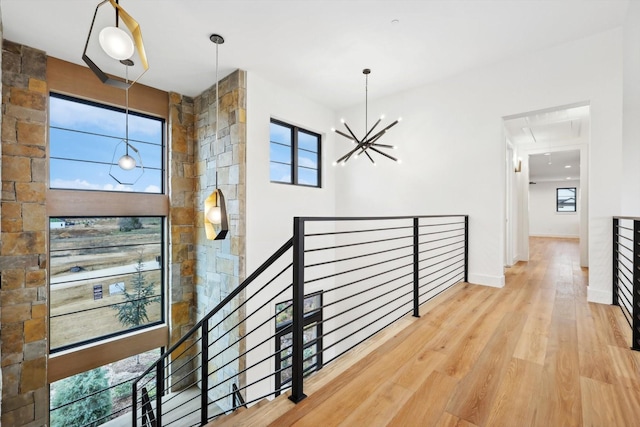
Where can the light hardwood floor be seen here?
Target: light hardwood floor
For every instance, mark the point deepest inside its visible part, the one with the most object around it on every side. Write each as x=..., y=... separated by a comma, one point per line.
x=534, y=353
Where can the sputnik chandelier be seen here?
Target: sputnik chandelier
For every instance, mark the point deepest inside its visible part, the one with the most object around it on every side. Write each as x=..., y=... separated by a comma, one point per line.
x=368, y=143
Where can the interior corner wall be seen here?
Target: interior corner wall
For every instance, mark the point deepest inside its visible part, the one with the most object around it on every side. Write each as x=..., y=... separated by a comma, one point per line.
x=543, y=218
x=271, y=207
x=631, y=129
x=220, y=158
x=452, y=148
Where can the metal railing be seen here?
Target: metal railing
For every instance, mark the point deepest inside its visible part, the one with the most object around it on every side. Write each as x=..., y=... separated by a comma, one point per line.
x=626, y=272
x=335, y=284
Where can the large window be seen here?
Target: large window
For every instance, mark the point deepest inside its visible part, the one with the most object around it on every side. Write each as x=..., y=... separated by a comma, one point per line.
x=312, y=338
x=87, y=140
x=294, y=154
x=105, y=272
x=566, y=199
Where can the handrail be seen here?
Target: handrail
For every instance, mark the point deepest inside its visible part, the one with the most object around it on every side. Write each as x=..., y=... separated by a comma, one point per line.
x=626, y=291
x=243, y=344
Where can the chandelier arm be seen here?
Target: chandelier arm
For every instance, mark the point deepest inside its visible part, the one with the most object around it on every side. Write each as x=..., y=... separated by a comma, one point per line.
x=372, y=141
x=370, y=158
x=384, y=154
x=346, y=156
x=371, y=130
x=345, y=135
x=351, y=132
x=384, y=146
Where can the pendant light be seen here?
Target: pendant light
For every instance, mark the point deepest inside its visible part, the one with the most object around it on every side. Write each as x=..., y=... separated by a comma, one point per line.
x=368, y=143
x=215, y=211
x=126, y=162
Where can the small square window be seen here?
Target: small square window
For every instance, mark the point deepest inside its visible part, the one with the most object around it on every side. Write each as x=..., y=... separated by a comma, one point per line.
x=294, y=155
x=566, y=199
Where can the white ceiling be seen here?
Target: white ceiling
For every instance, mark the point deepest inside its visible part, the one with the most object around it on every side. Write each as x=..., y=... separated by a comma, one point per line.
x=552, y=166
x=319, y=48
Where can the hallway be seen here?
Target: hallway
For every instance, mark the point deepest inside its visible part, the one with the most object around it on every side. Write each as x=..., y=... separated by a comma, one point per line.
x=534, y=353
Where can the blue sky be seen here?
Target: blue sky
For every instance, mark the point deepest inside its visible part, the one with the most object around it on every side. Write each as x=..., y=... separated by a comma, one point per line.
x=95, y=141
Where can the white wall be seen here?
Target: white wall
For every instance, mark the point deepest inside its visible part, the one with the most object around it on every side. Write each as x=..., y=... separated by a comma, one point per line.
x=543, y=218
x=631, y=117
x=453, y=151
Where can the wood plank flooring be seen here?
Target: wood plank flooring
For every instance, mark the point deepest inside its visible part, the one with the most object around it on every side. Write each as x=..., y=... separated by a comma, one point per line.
x=534, y=353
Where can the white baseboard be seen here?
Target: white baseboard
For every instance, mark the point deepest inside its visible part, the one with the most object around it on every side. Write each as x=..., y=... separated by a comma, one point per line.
x=482, y=279
x=599, y=296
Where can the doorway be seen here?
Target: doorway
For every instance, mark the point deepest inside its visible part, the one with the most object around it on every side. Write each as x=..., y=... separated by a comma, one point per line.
x=547, y=150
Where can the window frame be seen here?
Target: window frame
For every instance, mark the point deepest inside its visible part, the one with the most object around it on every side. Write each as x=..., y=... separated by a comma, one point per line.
x=558, y=203
x=78, y=82
x=295, y=130
x=285, y=328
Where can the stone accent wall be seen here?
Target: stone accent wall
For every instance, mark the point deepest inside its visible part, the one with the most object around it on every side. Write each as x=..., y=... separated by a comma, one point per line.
x=221, y=264
x=0, y=212
x=183, y=229
x=23, y=296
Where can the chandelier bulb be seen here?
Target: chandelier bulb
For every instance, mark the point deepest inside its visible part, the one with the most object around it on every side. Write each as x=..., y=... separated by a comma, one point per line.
x=127, y=162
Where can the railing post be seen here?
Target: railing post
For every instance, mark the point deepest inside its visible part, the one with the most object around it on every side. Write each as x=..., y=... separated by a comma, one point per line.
x=134, y=404
x=635, y=345
x=616, y=262
x=416, y=268
x=159, y=390
x=297, y=330
x=466, y=248
x=204, y=372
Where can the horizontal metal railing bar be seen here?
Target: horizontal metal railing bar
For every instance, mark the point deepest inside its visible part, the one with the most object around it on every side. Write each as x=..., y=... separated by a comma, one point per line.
x=368, y=242
x=443, y=246
x=88, y=248
x=95, y=393
x=621, y=245
x=626, y=296
x=369, y=230
x=440, y=232
x=625, y=228
x=456, y=276
x=106, y=276
x=443, y=268
x=254, y=295
x=264, y=359
x=442, y=261
x=356, y=306
x=439, y=240
x=440, y=224
x=240, y=338
x=366, y=290
x=627, y=315
x=103, y=306
x=443, y=253
x=634, y=218
x=358, y=256
x=404, y=313
x=176, y=394
x=281, y=251
x=624, y=265
x=340, y=273
x=329, y=332
x=457, y=280
x=627, y=282
x=369, y=218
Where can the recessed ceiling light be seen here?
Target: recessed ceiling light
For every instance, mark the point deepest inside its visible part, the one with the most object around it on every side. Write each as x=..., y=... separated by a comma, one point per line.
x=549, y=163
x=547, y=154
x=567, y=166
x=568, y=177
x=395, y=21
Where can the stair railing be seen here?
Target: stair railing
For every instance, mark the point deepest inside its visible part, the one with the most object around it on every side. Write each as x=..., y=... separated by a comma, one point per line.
x=626, y=272
x=335, y=284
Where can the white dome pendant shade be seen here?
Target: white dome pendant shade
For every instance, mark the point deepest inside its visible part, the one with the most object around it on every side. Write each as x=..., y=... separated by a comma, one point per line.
x=116, y=43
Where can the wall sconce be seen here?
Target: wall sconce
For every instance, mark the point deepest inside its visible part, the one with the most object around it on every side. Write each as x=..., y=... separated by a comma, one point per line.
x=215, y=216
x=518, y=167
x=116, y=43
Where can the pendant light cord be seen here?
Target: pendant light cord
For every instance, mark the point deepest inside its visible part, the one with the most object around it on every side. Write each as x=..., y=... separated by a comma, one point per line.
x=366, y=103
x=126, y=110
x=217, y=100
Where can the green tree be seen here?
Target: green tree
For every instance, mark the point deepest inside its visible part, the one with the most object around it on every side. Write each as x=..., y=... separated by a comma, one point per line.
x=133, y=311
x=90, y=411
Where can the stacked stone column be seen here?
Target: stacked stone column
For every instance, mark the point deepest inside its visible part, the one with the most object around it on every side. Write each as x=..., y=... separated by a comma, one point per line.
x=23, y=294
